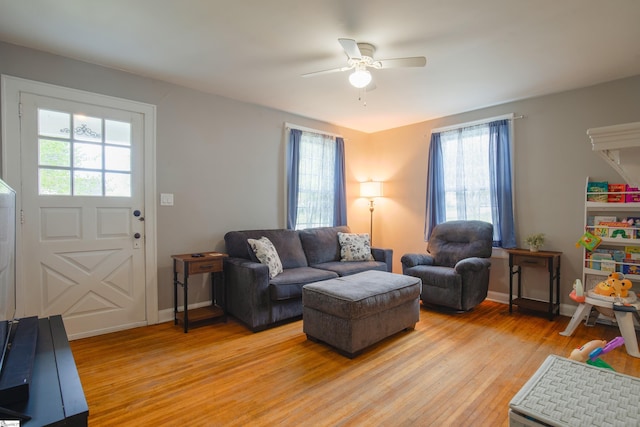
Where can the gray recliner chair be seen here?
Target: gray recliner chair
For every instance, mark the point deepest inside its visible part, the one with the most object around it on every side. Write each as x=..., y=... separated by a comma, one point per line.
x=455, y=269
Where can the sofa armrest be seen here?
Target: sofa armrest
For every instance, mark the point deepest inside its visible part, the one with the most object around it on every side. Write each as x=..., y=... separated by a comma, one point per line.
x=383, y=255
x=412, y=260
x=471, y=264
x=247, y=287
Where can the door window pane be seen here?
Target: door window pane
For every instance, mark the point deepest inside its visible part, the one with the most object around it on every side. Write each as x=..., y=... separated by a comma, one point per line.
x=117, y=133
x=54, y=123
x=87, y=156
x=54, y=153
x=117, y=184
x=87, y=128
x=87, y=183
x=117, y=159
x=55, y=182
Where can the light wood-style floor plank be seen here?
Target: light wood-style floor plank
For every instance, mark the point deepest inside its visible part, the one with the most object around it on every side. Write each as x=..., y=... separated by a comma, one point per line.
x=453, y=369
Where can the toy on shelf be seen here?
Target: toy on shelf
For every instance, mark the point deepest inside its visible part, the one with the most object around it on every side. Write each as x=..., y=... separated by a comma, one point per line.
x=589, y=353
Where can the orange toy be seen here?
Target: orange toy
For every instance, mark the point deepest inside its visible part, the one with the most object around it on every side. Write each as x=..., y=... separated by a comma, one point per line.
x=614, y=286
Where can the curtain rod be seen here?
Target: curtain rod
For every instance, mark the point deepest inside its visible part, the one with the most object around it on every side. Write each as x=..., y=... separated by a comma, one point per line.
x=289, y=126
x=510, y=116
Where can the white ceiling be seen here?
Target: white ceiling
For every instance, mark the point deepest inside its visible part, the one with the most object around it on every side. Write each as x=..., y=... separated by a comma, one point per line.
x=479, y=53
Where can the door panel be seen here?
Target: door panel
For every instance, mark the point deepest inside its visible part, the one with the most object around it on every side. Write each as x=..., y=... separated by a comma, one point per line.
x=79, y=230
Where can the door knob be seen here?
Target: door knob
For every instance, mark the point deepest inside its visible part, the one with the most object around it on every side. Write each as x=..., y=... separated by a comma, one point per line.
x=137, y=214
x=137, y=235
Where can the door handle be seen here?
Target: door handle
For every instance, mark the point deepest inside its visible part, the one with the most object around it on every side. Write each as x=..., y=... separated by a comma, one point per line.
x=137, y=235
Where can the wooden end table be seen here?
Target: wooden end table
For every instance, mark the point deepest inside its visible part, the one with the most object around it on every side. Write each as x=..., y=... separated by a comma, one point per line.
x=550, y=260
x=189, y=264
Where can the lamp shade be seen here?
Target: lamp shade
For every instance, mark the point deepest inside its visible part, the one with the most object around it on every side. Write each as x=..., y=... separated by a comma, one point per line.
x=371, y=189
x=360, y=78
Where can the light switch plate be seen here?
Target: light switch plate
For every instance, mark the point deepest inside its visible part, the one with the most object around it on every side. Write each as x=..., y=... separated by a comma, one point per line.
x=166, y=199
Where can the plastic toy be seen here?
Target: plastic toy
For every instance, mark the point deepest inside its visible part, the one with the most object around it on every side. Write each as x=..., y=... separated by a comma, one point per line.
x=589, y=353
x=577, y=294
x=614, y=286
x=589, y=241
x=581, y=354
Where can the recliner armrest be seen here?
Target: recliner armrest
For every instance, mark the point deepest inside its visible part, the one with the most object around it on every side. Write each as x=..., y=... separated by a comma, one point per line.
x=412, y=260
x=472, y=264
x=383, y=255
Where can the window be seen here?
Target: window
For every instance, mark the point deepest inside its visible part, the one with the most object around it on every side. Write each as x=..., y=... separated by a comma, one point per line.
x=83, y=156
x=465, y=156
x=469, y=178
x=315, y=180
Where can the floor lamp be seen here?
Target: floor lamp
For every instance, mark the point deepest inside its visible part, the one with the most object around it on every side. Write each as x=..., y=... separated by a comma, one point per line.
x=371, y=190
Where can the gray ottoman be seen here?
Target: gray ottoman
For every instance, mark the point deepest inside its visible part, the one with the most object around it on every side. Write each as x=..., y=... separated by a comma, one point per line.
x=352, y=312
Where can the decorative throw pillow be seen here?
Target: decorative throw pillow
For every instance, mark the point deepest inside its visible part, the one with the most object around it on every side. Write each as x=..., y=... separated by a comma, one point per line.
x=266, y=254
x=355, y=247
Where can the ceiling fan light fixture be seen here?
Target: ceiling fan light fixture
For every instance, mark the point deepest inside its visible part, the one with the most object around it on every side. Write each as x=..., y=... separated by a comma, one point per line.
x=360, y=78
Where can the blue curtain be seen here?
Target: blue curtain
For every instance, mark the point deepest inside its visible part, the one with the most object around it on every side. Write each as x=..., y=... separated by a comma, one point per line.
x=340, y=201
x=293, y=161
x=501, y=191
x=435, y=206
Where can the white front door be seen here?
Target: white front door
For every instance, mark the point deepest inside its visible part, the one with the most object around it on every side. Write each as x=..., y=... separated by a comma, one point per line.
x=83, y=214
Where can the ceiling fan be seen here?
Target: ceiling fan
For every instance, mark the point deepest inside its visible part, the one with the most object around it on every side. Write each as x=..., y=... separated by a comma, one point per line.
x=360, y=57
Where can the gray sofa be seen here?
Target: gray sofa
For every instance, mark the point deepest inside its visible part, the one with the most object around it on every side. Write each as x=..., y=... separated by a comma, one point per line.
x=307, y=256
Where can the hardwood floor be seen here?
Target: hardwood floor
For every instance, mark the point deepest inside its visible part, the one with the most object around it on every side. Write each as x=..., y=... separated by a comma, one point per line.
x=453, y=369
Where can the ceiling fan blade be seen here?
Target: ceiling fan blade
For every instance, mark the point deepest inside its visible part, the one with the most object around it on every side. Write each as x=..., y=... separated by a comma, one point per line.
x=333, y=70
x=416, y=61
x=351, y=48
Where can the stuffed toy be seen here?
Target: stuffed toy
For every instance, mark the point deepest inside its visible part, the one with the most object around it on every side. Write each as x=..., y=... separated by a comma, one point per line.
x=614, y=286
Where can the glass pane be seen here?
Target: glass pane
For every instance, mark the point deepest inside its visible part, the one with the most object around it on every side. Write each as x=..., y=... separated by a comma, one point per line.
x=54, y=123
x=87, y=183
x=54, y=182
x=118, y=184
x=88, y=156
x=118, y=133
x=87, y=128
x=117, y=159
x=55, y=153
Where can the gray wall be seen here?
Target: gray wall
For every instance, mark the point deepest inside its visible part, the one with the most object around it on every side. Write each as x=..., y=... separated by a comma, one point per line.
x=223, y=161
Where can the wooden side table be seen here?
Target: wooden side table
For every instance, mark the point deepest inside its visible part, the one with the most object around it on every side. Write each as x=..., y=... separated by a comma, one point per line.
x=550, y=260
x=188, y=264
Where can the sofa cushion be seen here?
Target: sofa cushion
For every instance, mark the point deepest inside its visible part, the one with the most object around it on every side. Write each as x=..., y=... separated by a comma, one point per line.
x=267, y=255
x=288, y=284
x=348, y=268
x=355, y=247
x=286, y=242
x=321, y=244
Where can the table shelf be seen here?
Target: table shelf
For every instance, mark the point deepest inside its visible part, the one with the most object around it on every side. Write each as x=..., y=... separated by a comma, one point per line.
x=187, y=265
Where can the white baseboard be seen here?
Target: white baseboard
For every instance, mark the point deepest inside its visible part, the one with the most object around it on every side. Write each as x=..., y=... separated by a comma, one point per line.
x=166, y=315
x=565, y=309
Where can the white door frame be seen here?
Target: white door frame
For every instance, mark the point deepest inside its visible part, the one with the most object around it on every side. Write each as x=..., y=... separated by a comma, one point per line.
x=11, y=170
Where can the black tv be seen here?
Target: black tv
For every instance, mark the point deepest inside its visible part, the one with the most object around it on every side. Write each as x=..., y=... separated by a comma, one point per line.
x=7, y=266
